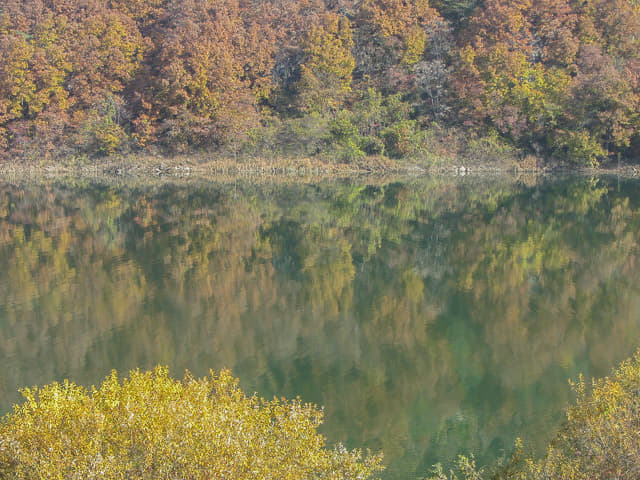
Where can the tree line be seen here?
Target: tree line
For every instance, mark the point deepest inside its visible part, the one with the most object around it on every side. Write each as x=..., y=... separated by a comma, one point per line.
x=340, y=78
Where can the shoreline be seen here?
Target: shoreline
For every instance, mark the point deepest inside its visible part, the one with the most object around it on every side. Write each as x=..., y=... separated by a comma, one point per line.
x=185, y=166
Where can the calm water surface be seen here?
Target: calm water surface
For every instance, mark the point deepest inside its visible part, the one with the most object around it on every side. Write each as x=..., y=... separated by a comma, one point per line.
x=430, y=317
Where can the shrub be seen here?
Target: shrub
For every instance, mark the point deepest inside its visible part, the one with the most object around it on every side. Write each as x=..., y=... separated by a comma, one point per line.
x=304, y=136
x=399, y=138
x=343, y=138
x=150, y=426
x=372, y=145
x=579, y=148
x=489, y=148
x=600, y=439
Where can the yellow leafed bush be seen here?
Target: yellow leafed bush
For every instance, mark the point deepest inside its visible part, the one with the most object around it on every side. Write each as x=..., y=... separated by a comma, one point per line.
x=150, y=426
x=600, y=439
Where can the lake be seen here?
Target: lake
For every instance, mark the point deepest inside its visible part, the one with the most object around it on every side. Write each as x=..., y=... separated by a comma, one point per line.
x=429, y=316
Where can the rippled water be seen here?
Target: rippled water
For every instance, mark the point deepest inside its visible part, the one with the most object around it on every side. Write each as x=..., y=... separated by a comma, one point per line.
x=430, y=317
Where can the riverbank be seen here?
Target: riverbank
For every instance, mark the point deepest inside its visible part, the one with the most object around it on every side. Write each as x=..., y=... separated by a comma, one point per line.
x=203, y=166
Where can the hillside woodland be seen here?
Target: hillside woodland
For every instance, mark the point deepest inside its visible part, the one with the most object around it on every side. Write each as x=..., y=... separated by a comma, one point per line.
x=340, y=79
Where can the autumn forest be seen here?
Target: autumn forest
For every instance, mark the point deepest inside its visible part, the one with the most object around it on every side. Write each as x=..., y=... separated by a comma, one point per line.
x=338, y=79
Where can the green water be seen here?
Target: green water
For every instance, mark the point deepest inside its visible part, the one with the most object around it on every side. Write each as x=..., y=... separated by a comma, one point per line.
x=429, y=317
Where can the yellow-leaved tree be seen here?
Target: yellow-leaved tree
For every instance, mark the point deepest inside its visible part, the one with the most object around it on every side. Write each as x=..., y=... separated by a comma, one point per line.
x=150, y=426
x=327, y=72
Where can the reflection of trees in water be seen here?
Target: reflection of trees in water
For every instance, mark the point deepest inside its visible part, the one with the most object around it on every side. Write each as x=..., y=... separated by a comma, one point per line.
x=427, y=317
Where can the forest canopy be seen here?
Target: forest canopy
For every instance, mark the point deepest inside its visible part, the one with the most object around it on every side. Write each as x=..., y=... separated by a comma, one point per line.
x=340, y=78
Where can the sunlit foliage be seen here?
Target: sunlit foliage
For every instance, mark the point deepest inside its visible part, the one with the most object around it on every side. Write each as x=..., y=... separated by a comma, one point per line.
x=599, y=440
x=557, y=78
x=326, y=73
x=149, y=426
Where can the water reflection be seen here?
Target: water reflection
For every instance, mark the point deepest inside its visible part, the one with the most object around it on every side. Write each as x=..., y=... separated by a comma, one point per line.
x=429, y=317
